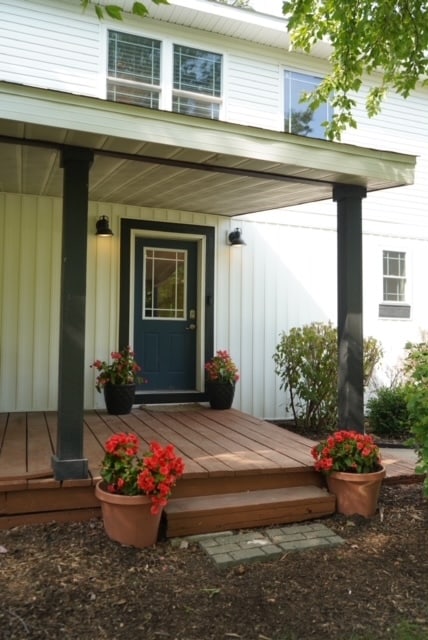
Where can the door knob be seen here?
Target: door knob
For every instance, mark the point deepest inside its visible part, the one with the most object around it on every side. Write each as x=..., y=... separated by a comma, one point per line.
x=191, y=327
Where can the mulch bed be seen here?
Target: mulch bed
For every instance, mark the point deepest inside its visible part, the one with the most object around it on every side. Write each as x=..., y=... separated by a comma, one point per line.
x=69, y=581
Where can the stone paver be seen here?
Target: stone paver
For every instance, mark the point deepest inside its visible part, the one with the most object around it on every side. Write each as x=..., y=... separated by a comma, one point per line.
x=230, y=548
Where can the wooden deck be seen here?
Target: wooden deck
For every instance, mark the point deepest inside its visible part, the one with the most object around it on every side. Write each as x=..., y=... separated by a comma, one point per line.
x=239, y=471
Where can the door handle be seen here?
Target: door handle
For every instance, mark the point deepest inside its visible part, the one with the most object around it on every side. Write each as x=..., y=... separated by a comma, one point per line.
x=191, y=327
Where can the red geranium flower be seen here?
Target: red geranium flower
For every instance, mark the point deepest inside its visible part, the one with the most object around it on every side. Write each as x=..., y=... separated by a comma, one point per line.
x=347, y=451
x=154, y=474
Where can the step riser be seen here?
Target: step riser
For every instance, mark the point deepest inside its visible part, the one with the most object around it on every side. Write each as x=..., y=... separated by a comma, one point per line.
x=225, y=519
x=189, y=487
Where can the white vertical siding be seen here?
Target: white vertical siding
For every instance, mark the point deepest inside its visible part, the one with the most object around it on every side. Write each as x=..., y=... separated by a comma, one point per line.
x=29, y=304
x=284, y=277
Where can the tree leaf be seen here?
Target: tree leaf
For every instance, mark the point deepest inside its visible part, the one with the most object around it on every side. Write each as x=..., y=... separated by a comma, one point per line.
x=114, y=11
x=139, y=9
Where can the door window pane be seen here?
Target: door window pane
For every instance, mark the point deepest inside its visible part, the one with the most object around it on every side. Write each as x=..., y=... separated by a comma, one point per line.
x=164, y=294
x=133, y=69
x=298, y=118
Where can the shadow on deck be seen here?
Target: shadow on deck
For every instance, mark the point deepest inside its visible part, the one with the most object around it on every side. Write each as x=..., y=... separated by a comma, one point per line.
x=240, y=471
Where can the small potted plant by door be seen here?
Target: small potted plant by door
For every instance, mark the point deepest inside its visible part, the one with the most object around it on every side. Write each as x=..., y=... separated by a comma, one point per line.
x=221, y=377
x=134, y=489
x=118, y=380
x=352, y=465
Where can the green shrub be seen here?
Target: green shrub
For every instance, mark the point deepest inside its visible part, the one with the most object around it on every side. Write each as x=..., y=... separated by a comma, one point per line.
x=387, y=412
x=306, y=361
x=417, y=404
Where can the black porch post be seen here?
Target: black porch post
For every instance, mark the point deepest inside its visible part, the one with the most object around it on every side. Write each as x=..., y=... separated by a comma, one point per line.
x=69, y=463
x=350, y=305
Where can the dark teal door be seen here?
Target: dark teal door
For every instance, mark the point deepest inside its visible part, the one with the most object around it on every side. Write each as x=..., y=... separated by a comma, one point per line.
x=165, y=322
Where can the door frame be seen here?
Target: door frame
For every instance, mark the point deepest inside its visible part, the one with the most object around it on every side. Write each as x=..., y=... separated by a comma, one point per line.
x=205, y=240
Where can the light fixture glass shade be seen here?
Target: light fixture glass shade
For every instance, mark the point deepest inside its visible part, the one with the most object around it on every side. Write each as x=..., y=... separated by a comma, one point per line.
x=235, y=238
x=103, y=227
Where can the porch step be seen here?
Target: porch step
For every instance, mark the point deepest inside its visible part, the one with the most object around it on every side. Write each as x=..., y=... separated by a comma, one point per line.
x=247, y=509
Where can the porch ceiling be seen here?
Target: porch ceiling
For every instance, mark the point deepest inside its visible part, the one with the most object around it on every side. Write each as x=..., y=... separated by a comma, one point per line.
x=165, y=160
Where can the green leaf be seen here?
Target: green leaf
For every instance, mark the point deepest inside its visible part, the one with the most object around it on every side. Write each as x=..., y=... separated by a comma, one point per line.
x=114, y=11
x=99, y=12
x=387, y=40
x=139, y=9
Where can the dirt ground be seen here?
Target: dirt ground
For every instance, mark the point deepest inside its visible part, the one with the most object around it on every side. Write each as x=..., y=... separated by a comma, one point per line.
x=69, y=581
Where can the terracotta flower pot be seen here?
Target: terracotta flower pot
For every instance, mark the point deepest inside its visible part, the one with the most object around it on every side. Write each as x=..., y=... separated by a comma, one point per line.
x=356, y=493
x=220, y=394
x=127, y=519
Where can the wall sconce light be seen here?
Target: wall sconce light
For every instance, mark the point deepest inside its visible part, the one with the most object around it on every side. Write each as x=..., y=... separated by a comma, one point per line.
x=235, y=238
x=103, y=227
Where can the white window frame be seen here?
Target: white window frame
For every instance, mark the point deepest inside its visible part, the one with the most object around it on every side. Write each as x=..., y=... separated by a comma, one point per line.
x=398, y=278
x=310, y=74
x=166, y=87
x=395, y=309
x=145, y=86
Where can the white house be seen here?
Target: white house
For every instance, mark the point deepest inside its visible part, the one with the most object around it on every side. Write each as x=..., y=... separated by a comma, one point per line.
x=179, y=128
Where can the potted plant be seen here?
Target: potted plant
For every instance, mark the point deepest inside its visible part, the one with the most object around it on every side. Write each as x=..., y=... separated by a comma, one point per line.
x=118, y=380
x=221, y=376
x=134, y=489
x=351, y=462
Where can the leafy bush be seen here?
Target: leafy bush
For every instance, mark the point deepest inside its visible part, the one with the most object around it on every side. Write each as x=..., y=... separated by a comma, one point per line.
x=306, y=360
x=417, y=396
x=387, y=412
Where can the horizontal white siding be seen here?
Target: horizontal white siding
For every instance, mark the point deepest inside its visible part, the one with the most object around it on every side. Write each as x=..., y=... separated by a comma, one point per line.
x=253, y=92
x=52, y=45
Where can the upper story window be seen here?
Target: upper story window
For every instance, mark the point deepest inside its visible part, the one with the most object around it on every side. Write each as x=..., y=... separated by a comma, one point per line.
x=134, y=75
x=395, y=302
x=298, y=118
x=133, y=69
x=394, y=276
x=197, y=82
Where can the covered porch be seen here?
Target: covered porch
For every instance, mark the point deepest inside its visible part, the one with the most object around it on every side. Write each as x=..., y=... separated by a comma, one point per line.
x=240, y=471
x=83, y=149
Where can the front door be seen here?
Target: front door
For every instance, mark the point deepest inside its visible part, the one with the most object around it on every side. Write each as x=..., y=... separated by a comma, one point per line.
x=165, y=313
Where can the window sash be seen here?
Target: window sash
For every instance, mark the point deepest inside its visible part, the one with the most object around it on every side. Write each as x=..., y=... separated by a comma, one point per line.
x=197, y=71
x=196, y=82
x=298, y=117
x=394, y=276
x=133, y=74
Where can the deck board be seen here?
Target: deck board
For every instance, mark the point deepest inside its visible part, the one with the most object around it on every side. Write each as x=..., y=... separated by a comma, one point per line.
x=212, y=443
x=14, y=448
x=39, y=445
x=213, y=446
x=288, y=451
x=258, y=448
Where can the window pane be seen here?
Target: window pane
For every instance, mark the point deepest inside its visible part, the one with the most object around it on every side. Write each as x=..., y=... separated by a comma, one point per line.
x=132, y=63
x=164, y=285
x=120, y=92
x=298, y=118
x=394, y=289
x=197, y=71
x=394, y=263
x=193, y=107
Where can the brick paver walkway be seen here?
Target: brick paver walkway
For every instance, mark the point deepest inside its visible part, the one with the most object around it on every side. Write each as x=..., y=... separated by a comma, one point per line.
x=230, y=548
